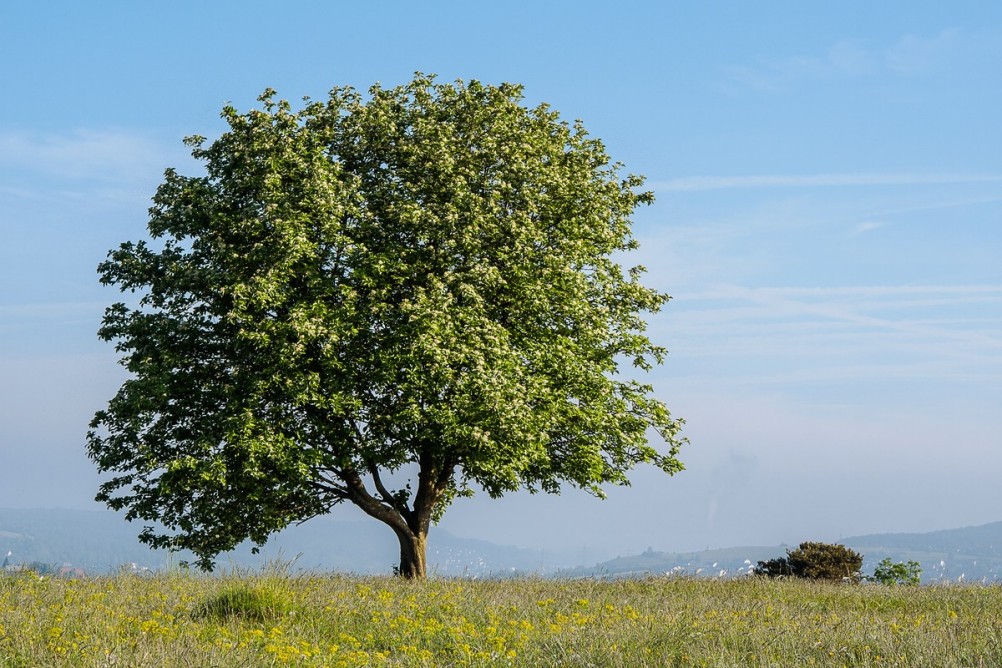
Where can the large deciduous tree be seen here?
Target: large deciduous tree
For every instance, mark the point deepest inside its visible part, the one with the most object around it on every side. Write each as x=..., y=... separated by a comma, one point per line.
x=416, y=285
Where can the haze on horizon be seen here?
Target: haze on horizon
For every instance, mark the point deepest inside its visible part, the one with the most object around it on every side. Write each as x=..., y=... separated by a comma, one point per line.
x=828, y=221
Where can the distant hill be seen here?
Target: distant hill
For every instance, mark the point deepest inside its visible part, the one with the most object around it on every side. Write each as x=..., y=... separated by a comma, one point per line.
x=969, y=553
x=723, y=562
x=101, y=542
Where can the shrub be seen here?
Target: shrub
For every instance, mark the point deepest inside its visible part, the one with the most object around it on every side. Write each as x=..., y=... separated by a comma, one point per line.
x=774, y=568
x=823, y=561
x=815, y=561
x=256, y=604
x=903, y=573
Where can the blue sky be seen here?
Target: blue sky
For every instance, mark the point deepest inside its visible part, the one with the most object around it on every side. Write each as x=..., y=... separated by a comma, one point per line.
x=829, y=201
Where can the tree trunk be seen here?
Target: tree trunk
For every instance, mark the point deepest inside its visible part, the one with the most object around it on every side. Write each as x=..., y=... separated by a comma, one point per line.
x=410, y=526
x=412, y=554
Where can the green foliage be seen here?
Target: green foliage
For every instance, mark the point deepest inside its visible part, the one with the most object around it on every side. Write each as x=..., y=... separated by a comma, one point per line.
x=419, y=280
x=774, y=568
x=824, y=561
x=815, y=561
x=903, y=573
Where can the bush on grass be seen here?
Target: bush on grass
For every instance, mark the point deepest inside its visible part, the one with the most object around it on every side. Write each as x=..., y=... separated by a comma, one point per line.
x=815, y=561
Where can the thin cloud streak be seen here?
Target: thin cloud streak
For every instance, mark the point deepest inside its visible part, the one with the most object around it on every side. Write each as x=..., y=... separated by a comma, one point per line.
x=829, y=334
x=700, y=183
x=823, y=374
x=732, y=292
x=784, y=302
x=863, y=228
x=85, y=154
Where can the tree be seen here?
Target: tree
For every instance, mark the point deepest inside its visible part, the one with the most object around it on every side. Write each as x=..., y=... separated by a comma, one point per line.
x=815, y=561
x=904, y=573
x=388, y=301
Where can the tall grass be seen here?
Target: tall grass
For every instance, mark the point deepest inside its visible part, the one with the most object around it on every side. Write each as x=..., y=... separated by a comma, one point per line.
x=278, y=618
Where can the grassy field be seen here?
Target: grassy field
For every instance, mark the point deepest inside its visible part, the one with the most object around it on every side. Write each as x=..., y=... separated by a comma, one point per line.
x=279, y=619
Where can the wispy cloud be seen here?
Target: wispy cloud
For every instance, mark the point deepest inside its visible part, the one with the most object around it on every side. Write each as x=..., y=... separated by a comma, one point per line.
x=868, y=308
x=914, y=54
x=697, y=183
x=844, y=58
x=45, y=310
x=102, y=155
x=64, y=174
x=880, y=333
x=908, y=55
x=864, y=227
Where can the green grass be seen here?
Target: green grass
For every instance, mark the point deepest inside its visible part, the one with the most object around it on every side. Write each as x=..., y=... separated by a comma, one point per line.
x=278, y=619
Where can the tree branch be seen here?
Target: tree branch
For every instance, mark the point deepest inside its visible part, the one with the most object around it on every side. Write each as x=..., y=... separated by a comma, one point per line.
x=370, y=505
x=329, y=488
x=387, y=497
x=445, y=475
x=358, y=432
x=384, y=494
x=433, y=479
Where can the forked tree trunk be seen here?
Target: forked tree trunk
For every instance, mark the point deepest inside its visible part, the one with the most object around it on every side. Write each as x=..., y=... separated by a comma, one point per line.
x=412, y=555
x=409, y=525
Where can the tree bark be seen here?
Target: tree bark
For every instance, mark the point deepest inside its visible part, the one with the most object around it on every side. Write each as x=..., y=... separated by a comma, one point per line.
x=412, y=554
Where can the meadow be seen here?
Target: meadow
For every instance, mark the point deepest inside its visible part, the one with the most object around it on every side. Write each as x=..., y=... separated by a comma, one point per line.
x=280, y=618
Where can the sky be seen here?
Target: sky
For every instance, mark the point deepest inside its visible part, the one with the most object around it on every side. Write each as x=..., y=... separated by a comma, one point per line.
x=828, y=221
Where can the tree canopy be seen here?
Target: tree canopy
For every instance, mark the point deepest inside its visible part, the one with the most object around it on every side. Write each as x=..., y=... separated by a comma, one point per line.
x=415, y=284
